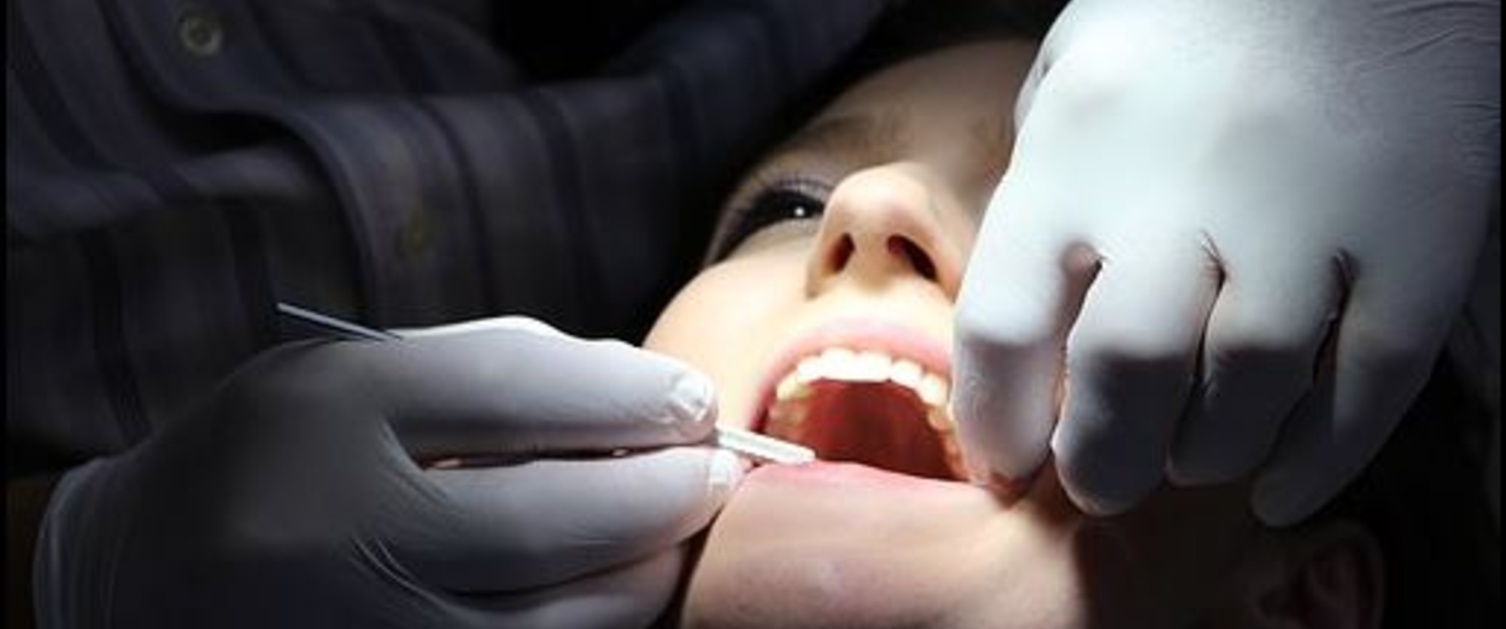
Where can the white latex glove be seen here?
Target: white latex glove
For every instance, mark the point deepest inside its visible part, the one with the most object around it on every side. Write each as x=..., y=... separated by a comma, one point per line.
x=292, y=497
x=1232, y=237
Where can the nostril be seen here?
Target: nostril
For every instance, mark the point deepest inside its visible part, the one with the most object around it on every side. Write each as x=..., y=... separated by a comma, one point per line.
x=904, y=249
x=841, y=253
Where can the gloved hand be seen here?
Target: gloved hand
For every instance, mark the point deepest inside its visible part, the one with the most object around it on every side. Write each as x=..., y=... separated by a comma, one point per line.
x=292, y=497
x=1231, y=240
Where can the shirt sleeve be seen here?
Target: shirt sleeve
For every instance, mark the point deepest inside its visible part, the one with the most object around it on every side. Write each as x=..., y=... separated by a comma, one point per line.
x=173, y=169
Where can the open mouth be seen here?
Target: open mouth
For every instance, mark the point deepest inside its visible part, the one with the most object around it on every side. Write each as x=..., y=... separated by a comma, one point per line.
x=852, y=401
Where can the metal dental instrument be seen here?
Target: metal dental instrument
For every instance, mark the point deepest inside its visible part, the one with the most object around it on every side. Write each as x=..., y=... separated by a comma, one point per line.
x=338, y=326
x=762, y=448
x=756, y=447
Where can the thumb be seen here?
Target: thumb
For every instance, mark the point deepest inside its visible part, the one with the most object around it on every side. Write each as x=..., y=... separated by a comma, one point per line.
x=521, y=324
x=1018, y=296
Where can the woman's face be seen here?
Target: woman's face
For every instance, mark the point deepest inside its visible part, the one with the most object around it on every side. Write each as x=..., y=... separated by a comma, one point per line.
x=827, y=319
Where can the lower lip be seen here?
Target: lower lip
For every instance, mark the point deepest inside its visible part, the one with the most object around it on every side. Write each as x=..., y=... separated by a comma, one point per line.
x=852, y=475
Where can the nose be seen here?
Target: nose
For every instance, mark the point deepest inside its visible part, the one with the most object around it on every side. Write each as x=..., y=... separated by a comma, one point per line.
x=881, y=225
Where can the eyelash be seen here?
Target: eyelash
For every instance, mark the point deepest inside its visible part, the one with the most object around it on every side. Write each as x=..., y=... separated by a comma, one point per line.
x=775, y=202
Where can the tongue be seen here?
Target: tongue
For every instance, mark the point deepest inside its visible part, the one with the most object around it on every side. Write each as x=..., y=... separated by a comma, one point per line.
x=883, y=425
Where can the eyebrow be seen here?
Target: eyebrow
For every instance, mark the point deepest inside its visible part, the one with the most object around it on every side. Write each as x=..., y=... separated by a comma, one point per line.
x=864, y=137
x=876, y=136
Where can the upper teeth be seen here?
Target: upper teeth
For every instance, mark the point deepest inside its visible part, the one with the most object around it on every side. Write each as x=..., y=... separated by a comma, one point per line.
x=845, y=365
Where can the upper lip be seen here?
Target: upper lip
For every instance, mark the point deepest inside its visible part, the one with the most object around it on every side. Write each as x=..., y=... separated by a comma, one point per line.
x=856, y=333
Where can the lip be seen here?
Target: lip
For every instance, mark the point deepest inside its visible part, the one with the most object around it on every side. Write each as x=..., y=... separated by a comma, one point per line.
x=856, y=333
x=853, y=475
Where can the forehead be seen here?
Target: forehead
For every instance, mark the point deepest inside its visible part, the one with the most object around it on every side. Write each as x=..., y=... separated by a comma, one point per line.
x=976, y=75
x=954, y=104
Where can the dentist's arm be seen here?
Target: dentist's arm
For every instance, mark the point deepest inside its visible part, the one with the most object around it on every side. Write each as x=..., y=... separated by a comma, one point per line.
x=1232, y=238
x=296, y=497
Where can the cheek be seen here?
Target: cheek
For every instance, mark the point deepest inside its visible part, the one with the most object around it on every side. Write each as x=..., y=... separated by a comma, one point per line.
x=1160, y=564
x=726, y=322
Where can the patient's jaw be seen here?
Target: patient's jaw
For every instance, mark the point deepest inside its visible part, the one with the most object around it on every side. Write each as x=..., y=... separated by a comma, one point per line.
x=829, y=324
x=833, y=549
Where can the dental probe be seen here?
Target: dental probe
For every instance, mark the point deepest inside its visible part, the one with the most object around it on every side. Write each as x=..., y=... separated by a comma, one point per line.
x=762, y=448
x=756, y=447
x=338, y=326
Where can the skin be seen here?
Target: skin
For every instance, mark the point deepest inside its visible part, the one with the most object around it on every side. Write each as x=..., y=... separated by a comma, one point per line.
x=824, y=545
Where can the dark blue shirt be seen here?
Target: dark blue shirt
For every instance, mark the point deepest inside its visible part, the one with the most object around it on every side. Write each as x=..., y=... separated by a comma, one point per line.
x=174, y=168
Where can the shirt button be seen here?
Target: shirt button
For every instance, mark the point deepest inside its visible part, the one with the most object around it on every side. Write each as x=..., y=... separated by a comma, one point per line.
x=200, y=31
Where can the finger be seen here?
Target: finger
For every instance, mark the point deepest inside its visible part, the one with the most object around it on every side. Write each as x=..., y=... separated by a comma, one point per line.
x=525, y=324
x=1259, y=352
x=1019, y=294
x=631, y=596
x=549, y=521
x=1377, y=364
x=1130, y=362
x=503, y=392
